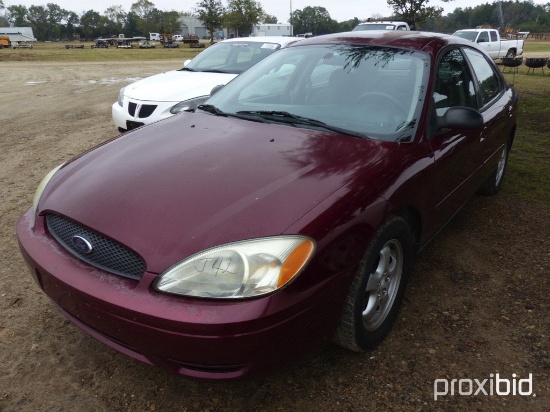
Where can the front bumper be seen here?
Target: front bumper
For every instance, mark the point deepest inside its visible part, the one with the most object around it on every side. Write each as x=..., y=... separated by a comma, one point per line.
x=124, y=120
x=200, y=338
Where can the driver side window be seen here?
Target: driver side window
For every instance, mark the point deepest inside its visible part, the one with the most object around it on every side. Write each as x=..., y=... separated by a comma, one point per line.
x=483, y=37
x=454, y=85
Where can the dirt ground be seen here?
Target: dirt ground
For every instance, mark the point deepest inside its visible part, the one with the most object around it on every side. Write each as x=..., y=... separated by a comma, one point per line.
x=477, y=304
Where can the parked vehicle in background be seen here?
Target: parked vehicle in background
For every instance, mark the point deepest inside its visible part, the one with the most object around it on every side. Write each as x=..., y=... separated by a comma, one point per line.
x=491, y=42
x=192, y=40
x=283, y=213
x=155, y=36
x=178, y=37
x=21, y=45
x=163, y=95
x=382, y=25
x=146, y=44
x=5, y=41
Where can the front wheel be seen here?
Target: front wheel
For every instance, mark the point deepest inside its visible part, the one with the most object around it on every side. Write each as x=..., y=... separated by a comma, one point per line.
x=377, y=290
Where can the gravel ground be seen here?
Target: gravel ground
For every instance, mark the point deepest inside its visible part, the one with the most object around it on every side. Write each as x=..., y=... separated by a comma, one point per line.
x=477, y=304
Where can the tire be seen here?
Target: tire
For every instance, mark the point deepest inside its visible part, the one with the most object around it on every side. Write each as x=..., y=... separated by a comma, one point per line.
x=377, y=290
x=494, y=182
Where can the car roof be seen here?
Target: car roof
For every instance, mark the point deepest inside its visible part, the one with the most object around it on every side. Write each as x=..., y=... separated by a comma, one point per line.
x=282, y=40
x=414, y=40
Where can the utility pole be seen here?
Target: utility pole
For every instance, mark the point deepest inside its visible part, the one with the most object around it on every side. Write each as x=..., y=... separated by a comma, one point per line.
x=291, y=26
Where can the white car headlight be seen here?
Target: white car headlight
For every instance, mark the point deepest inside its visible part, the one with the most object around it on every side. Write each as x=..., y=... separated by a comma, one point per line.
x=121, y=97
x=239, y=270
x=188, y=105
x=42, y=186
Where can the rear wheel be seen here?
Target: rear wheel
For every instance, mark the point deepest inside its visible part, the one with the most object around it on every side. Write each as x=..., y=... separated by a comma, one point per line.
x=494, y=181
x=376, y=293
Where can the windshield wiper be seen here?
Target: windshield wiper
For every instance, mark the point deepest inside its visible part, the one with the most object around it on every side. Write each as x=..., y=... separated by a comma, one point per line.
x=210, y=108
x=214, y=110
x=286, y=117
x=214, y=71
x=187, y=69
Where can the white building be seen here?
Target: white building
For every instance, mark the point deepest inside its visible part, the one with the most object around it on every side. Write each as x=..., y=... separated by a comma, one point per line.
x=272, y=29
x=192, y=25
x=18, y=34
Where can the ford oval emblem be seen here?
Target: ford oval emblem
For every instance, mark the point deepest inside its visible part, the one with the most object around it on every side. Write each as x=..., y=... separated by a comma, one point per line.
x=82, y=245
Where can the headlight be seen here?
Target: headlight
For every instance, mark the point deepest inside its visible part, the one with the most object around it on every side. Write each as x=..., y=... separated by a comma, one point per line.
x=121, y=97
x=42, y=186
x=239, y=270
x=188, y=105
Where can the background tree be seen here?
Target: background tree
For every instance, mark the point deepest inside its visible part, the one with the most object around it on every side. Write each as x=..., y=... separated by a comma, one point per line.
x=17, y=15
x=71, y=23
x=56, y=15
x=210, y=13
x=3, y=17
x=242, y=15
x=314, y=20
x=268, y=19
x=118, y=18
x=348, y=25
x=131, y=27
x=168, y=21
x=90, y=23
x=38, y=19
x=415, y=11
x=144, y=10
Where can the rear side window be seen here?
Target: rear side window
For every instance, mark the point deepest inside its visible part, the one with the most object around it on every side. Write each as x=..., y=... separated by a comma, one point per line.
x=494, y=36
x=489, y=85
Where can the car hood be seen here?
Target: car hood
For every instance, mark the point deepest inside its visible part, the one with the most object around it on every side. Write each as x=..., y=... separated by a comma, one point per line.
x=195, y=180
x=176, y=86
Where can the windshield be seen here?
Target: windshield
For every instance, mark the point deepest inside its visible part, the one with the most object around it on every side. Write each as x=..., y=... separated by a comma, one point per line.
x=231, y=57
x=468, y=35
x=359, y=90
x=375, y=26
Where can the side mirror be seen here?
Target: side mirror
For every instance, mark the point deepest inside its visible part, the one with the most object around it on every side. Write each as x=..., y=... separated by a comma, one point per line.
x=482, y=40
x=216, y=89
x=460, y=118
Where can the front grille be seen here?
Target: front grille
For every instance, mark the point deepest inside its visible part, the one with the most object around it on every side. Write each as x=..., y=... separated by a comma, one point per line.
x=144, y=111
x=105, y=253
x=132, y=109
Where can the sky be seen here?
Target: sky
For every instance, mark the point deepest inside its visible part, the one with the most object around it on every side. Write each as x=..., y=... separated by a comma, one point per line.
x=338, y=10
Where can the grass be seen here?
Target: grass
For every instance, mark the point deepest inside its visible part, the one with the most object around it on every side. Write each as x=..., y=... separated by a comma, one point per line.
x=528, y=175
x=56, y=52
x=537, y=46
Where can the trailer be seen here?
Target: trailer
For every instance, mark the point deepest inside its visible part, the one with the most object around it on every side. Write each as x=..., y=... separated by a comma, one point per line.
x=192, y=40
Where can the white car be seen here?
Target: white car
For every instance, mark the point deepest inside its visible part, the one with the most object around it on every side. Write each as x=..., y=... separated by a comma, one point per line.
x=166, y=94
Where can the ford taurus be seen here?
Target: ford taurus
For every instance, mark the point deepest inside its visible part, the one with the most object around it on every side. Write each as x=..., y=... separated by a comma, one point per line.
x=285, y=212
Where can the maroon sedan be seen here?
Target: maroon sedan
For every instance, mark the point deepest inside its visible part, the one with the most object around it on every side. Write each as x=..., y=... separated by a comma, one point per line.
x=283, y=213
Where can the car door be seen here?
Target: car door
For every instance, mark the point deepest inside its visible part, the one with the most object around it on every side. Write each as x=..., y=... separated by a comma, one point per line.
x=454, y=151
x=484, y=41
x=496, y=106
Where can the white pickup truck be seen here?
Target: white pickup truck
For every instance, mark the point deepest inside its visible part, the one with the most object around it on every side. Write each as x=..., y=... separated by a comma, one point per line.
x=382, y=25
x=491, y=42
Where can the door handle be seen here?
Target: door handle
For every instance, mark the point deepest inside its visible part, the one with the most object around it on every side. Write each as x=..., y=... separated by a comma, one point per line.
x=483, y=134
